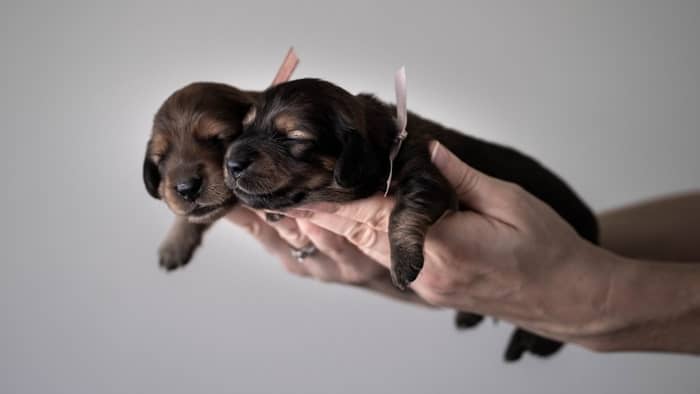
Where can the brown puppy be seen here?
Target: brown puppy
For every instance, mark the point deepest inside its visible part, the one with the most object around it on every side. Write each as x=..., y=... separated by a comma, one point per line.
x=184, y=157
x=309, y=141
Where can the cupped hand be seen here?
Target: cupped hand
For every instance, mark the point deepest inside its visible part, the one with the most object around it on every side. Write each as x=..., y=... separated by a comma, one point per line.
x=509, y=256
x=336, y=259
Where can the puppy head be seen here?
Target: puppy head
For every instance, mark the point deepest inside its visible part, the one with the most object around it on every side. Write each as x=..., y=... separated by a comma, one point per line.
x=305, y=141
x=191, y=131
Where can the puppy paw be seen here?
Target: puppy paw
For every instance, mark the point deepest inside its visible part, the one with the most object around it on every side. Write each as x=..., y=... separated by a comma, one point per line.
x=406, y=264
x=524, y=341
x=174, y=255
x=464, y=320
x=545, y=347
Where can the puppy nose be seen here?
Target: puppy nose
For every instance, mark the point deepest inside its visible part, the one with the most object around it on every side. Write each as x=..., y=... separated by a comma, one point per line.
x=189, y=188
x=236, y=167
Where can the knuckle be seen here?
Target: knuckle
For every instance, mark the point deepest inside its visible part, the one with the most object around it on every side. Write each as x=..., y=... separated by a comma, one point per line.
x=380, y=221
x=295, y=238
x=328, y=243
x=467, y=180
x=362, y=236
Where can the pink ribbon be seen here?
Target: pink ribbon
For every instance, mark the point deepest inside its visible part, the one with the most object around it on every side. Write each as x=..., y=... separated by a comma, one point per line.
x=401, y=122
x=290, y=62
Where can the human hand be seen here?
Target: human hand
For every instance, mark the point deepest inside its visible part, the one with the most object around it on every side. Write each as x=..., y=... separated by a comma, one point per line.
x=336, y=260
x=510, y=256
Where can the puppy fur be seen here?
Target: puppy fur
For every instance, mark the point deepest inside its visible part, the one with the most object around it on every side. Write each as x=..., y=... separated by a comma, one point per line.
x=183, y=163
x=309, y=141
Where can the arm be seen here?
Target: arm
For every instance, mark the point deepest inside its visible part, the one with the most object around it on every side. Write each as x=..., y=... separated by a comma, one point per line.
x=512, y=257
x=652, y=306
x=663, y=229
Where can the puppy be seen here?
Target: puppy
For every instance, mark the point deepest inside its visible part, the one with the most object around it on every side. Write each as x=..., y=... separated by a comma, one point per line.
x=311, y=141
x=183, y=163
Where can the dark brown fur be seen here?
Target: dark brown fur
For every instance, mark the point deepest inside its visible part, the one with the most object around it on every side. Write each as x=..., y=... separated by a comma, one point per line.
x=308, y=141
x=190, y=133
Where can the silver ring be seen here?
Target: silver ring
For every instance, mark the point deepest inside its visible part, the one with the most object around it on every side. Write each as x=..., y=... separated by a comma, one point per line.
x=305, y=251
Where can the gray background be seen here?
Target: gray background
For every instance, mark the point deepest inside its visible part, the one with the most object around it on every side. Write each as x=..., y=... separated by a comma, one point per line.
x=606, y=93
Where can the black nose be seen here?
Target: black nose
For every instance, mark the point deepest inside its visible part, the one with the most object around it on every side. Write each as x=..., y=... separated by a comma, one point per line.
x=236, y=167
x=189, y=188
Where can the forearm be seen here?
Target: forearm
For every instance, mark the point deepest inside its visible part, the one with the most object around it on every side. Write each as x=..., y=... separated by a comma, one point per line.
x=665, y=229
x=652, y=306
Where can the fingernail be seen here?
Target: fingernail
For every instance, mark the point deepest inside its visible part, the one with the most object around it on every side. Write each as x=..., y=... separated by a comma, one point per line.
x=434, y=146
x=272, y=216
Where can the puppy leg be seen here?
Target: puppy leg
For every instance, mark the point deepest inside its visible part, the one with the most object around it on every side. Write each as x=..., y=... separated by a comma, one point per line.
x=180, y=243
x=423, y=197
x=464, y=320
x=522, y=341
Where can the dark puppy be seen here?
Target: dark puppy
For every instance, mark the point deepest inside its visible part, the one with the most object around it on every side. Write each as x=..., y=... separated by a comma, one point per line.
x=184, y=157
x=309, y=140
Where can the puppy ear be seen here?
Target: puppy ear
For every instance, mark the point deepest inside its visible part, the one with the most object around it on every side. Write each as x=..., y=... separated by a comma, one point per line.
x=358, y=164
x=151, y=176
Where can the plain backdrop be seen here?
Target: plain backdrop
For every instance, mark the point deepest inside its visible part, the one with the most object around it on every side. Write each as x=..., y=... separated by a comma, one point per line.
x=607, y=93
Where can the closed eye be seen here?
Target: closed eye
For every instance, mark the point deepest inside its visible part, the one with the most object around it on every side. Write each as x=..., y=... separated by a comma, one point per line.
x=300, y=135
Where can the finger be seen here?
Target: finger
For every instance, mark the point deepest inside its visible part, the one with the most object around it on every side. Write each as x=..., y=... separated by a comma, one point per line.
x=479, y=191
x=321, y=267
x=373, y=211
x=371, y=242
x=267, y=236
x=287, y=229
x=354, y=266
x=247, y=219
x=318, y=265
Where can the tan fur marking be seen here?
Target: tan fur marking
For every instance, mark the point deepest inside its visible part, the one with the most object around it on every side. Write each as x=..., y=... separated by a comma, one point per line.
x=158, y=147
x=286, y=122
x=209, y=128
x=250, y=116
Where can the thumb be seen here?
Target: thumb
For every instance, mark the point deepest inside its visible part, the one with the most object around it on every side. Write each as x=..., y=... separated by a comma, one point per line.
x=477, y=190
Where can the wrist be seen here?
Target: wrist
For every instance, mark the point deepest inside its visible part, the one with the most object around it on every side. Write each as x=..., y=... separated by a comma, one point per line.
x=649, y=306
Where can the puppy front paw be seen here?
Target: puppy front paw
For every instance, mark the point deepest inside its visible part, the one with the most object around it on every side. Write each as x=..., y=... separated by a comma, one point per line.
x=406, y=263
x=173, y=255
